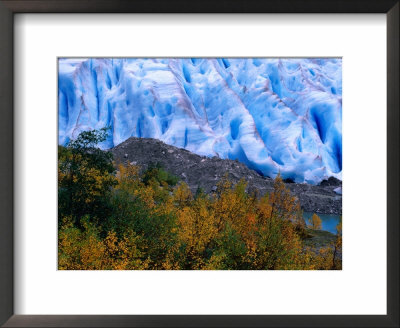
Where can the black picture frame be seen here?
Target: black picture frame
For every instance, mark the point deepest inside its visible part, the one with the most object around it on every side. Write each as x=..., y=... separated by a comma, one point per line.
x=10, y=7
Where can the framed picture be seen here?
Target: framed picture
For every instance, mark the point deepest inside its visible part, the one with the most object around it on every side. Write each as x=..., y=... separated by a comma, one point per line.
x=199, y=153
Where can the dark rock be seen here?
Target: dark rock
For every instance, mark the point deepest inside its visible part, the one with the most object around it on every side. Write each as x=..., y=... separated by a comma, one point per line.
x=288, y=180
x=332, y=181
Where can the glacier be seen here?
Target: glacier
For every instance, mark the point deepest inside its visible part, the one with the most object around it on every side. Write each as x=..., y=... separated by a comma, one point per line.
x=276, y=115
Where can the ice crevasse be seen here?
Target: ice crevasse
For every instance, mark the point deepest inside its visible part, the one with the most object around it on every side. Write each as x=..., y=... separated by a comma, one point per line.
x=274, y=115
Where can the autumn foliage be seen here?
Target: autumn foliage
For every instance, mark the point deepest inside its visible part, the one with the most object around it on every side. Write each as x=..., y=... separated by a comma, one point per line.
x=316, y=222
x=129, y=219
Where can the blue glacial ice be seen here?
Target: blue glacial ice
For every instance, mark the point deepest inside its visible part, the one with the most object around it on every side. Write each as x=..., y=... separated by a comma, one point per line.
x=274, y=115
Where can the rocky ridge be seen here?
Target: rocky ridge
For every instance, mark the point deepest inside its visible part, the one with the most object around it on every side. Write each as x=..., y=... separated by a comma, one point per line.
x=204, y=172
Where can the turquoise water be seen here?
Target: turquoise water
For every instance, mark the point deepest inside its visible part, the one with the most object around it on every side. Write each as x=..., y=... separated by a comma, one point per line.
x=329, y=221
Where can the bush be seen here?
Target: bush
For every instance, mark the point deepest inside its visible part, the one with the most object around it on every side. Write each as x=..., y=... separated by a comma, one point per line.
x=157, y=173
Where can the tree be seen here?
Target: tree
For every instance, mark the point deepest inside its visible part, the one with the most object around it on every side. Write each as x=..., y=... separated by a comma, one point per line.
x=316, y=222
x=283, y=204
x=231, y=251
x=337, y=251
x=85, y=177
x=197, y=228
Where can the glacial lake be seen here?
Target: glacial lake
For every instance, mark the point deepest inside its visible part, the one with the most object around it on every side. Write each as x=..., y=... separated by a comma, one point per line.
x=329, y=221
